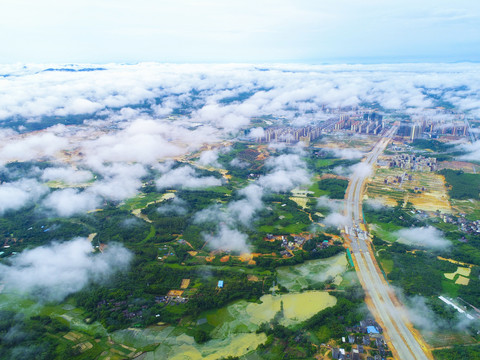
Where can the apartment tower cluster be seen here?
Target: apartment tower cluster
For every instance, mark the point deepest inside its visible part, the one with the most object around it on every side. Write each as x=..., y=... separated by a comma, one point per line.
x=291, y=135
x=413, y=162
x=370, y=123
x=432, y=129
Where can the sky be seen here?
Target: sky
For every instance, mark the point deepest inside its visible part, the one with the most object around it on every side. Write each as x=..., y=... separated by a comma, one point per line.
x=189, y=31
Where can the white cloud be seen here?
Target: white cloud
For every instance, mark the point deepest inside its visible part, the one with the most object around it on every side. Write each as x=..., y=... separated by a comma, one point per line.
x=243, y=210
x=472, y=149
x=78, y=106
x=32, y=146
x=15, y=195
x=257, y=132
x=427, y=237
x=228, y=239
x=361, y=170
x=68, y=202
x=209, y=157
x=120, y=181
x=67, y=175
x=303, y=88
x=336, y=219
x=186, y=177
x=347, y=153
x=144, y=141
x=284, y=180
x=375, y=204
x=288, y=171
x=331, y=204
x=53, y=272
x=239, y=163
x=175, y=206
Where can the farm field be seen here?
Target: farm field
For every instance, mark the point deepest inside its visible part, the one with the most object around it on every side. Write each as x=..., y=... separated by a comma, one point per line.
x=469, y=207
x=426, y=191
x=344, y=141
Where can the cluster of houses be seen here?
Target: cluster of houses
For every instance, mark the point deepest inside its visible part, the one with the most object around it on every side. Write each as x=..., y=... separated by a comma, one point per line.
x=364, y=339
x=289, y=246
x=413, y=162
x=464, y=225
x=125, y=308
x=397, y=179
x=295, y=244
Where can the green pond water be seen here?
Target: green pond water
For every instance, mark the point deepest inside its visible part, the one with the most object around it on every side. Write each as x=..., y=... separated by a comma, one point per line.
x=312, y=272
x=235, y=325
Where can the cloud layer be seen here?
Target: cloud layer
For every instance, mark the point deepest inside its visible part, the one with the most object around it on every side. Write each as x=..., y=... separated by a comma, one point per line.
x=128, y=117
x=426, y=237
x=186, y=177
x=286, y=171
x=294, y=91
x=53, y=272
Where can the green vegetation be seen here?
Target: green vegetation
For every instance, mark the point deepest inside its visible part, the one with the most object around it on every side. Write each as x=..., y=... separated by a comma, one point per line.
x=30, y=338
x=417, y=274
x=327, y=162
x=471, y=293
x=462, y=185
x=169, y=245
x=391, y=219
x=458, y=352
x=140, y=201
x=313, y=274
x=281, y=216
x=334, y=188
x=433, y=145
x=300, y=341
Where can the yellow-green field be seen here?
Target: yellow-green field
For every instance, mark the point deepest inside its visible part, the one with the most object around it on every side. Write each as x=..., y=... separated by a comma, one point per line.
x=460, y=275
x=141, y=201
x=434, y=197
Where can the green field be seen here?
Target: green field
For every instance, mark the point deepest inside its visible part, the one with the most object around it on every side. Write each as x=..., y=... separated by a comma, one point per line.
x=90, y=339
x=312, y=273
x=385, y=230
x=316, y=190
x=323, y=163
x=141, y=201
x=469, y=207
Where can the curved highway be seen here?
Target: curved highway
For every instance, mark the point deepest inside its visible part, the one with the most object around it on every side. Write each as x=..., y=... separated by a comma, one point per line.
x=404, y=342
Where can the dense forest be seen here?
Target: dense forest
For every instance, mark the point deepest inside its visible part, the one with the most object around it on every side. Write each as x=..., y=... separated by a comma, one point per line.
x=462, y=185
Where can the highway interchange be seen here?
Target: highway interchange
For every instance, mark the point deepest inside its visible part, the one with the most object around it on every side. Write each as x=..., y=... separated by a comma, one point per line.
x=404, y=342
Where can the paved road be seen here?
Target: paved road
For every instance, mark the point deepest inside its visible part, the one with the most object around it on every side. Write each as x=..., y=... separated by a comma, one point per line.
x=392, y=316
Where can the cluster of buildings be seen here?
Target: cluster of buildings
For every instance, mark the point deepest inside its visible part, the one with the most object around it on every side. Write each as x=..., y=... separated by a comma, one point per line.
x=368, y=326
x=398, y=179
x=290, y=135
x=369, y=123
x=371, y=341
x=289, y=246
x=295, y=244
x=464, y=225
x=432, y=129
x=413, y=162
x=127, y=309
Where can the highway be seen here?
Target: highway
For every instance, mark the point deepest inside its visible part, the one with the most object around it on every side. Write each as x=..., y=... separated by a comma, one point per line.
x=402, y=339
